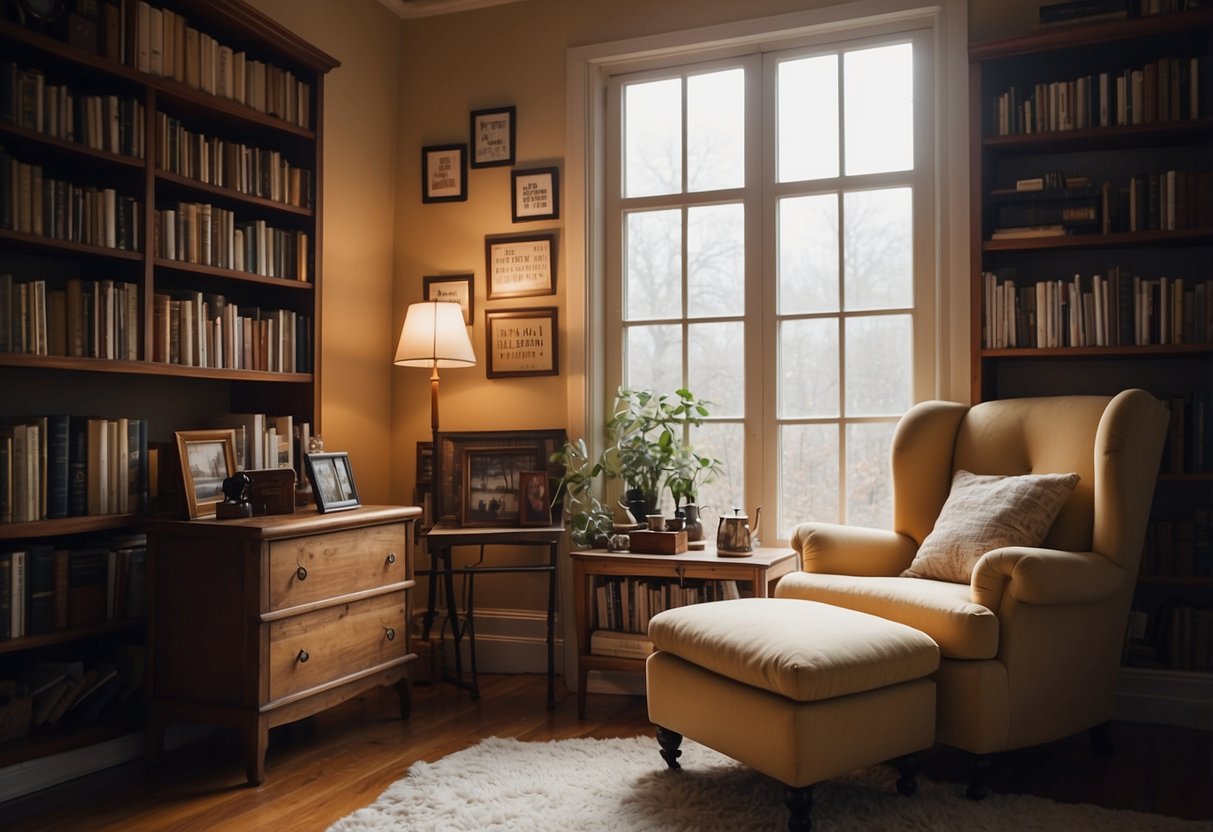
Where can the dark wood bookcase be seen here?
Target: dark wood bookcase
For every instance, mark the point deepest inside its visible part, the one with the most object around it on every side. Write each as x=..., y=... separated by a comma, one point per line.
x=285, y=131
x=1170, y=630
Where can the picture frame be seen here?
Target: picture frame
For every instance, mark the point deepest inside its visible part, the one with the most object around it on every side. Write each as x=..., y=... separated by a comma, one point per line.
x=444, y=173
x=425, y=463
x=492, y=136
x=521, y=342
x=534, y=499
x=451, y=458
x=520, y=266
x=535, y=194
x=491, y=478
x=455, y=288
x=332, y=481
x=207, y=457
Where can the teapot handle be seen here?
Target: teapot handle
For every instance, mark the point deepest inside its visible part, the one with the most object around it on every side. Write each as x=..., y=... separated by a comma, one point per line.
x=757, y=520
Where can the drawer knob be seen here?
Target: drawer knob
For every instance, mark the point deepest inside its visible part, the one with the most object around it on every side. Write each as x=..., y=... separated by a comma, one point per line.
x=301, y=573
x=302, y=657
x=391, y=558
x=391, y=633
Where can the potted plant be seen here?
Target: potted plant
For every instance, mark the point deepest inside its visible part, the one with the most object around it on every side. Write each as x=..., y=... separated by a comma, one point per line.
x=645, y=450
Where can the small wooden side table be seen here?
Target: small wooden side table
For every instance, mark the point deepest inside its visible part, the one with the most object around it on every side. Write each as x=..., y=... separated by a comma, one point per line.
x=760, y=570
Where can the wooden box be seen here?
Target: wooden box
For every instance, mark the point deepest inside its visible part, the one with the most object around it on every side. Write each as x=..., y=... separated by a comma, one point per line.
x=657, y=543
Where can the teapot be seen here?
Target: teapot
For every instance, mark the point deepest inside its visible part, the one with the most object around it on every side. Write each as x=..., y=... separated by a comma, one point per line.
x=734, y=535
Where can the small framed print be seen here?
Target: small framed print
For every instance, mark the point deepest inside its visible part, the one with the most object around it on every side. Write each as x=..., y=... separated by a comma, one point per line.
x=490, y=485
x=455, y=288
x=208, y=457
x=492, y=137
x=332, y=481
x=534, y=506
x=535, y=194
x=521, y=342
x=519, y=267
x=425, y=463
x=444, y=173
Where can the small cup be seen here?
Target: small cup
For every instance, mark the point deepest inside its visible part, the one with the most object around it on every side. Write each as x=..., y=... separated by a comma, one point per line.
x=675, y=524
x=656, y=522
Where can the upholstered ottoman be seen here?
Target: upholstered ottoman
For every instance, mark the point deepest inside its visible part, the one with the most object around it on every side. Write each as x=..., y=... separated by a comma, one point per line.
x=798, y=690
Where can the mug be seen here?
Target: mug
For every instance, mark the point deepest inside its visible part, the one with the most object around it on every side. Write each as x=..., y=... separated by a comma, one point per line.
x=656, y=522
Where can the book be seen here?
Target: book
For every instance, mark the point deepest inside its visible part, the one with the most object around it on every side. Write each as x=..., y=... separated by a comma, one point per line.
x=57, y=465
x=1029, y=231
x=17, y=594
x=615, y=643
x=87, y=572
x=40, y=590
x=6, y=595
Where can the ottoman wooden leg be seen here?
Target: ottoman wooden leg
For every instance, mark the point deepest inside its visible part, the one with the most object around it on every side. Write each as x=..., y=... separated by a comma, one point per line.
x=979, y=768
x=908, y=767
x=800, y=804
x=669, y=742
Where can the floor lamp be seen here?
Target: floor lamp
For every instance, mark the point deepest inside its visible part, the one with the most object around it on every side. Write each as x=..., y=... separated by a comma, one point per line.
x=434, y=335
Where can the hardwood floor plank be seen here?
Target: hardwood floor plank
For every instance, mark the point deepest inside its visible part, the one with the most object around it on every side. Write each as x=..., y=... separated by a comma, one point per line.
x=322, y=768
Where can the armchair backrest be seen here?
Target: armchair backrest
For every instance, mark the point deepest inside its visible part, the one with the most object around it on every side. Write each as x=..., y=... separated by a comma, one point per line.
x=1112, y=443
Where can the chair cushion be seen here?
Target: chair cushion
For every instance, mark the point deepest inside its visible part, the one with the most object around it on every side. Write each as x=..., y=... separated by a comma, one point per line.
x=799, y=650
x=985, y=512
x=941, y=609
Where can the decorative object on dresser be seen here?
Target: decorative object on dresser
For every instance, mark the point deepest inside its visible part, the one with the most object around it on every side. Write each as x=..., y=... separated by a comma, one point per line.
x=332, y=481
x=207, y=457
x=261, y=621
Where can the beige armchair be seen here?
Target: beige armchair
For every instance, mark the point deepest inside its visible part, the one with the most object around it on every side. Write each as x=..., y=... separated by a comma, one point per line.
x=1031, y=643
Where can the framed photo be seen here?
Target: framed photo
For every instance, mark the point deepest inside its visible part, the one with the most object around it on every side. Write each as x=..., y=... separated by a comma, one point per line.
x=535, y=194
x=492, y=137
x=470, y=466
x=519, y=267
x=444, y=173
x=425, y=463
x=208, y=457
x=455, y=288
x=534, y=501
x=332, y=481
x=521, y=342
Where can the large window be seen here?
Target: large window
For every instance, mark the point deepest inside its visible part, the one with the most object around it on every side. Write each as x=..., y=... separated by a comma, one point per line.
x=768, y=227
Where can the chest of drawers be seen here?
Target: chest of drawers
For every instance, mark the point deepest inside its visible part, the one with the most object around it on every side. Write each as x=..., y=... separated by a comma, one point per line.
x=257, y=622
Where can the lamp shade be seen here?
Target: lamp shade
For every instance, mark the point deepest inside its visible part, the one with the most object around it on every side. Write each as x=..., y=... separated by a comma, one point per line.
x=434, y=335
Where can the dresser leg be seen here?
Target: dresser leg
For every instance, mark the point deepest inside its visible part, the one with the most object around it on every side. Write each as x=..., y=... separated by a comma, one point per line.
x=256, y=741
x=404, y=689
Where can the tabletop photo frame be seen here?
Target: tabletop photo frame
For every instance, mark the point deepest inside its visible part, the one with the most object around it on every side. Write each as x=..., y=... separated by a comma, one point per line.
x=332, y=481
x=457, y=449
x=208, y=457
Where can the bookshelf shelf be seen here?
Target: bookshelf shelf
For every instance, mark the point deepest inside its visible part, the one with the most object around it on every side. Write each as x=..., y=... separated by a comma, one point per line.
x=1114, y=239
x=1101, y=138
x=89, y=300
x=1160, y=351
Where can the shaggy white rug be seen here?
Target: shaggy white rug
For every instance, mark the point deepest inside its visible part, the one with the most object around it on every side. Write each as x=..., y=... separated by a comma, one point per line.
x=623, y=785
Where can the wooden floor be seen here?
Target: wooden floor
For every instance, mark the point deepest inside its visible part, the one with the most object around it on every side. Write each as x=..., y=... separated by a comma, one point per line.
x=323, y=768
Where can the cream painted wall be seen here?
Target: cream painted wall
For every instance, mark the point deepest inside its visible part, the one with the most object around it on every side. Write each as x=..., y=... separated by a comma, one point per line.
x=361, y=102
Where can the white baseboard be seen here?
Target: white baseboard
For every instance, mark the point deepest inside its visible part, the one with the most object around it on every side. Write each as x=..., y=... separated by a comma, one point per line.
x=1167, y=697
x=507, y=641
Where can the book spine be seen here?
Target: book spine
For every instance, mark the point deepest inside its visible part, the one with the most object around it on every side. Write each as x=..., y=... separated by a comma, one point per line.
x=40, y=580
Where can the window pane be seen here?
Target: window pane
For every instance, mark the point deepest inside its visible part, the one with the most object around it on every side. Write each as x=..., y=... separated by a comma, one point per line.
x=808, y=368
x=716, y=261
x=653, y=284
x=716, y=372
x=654, y=358
x=724, y=441
x=808, y=254
x=879, y=256
x=808, y=476
x=878, y=98
x=716, y=130
x=652, y=138
x=808, y=118
x=879, y=365
x=869, y=480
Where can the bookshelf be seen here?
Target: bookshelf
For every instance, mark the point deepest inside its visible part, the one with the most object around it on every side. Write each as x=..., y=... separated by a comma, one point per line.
x=172, y=274
x=1122, y=111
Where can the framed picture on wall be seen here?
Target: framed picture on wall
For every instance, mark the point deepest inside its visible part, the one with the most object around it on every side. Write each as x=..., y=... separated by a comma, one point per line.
x=492, y=137
x=455, y=288
x=535, y=194
x=444, y=173
x=521, y=342
x=519, y=267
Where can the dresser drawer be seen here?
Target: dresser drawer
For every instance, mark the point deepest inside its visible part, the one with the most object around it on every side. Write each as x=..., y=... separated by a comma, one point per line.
x=308, y=569
x=337, y=641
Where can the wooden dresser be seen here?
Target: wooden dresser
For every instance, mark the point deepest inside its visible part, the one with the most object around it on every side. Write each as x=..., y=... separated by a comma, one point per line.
x=257, y=622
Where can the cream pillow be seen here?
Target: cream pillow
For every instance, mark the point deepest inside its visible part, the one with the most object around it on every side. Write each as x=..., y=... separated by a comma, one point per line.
x=985, y=512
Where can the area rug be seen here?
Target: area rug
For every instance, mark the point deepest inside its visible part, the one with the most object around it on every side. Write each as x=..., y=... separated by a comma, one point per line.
x=623, y=785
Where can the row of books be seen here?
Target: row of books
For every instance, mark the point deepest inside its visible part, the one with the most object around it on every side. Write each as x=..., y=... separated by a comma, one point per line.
x=1179, y=547
x=161, y=42
x=80, y=318
x=624, y=645
x=45, y=588
x=228, y=164
x=1121, y=309
x=61, y=465
x=35, y=204
x=207, y=330
x=264, y=441
x=74, y=692
x=1177, y=636
x=1092, y=11
x=101, y=122
x=210, y=236
x=1166, y=90
x=1188, y=450
x=627, y=604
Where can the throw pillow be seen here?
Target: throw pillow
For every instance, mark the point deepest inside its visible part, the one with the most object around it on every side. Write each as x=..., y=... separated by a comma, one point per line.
x=985, y=512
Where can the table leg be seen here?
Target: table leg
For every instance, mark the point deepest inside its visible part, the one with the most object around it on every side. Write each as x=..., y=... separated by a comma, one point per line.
x=552, y=626
x=431, y=607
x=452, y=610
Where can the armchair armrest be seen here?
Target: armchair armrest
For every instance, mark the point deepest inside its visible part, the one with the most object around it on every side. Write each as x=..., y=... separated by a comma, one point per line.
x=852, y=550
x=1044, y=576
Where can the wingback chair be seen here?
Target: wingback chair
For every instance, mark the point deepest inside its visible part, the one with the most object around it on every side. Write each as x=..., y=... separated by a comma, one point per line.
x=1031, y=642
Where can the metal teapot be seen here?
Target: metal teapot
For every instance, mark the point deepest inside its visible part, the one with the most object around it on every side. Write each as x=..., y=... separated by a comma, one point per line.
x=734, y=535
